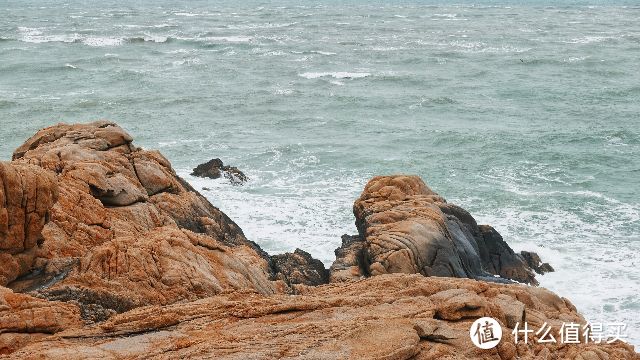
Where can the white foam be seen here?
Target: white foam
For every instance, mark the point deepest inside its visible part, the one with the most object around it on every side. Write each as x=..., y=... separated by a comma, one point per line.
x=591, y=39
x=102, y=41
x=155, y=38
x=36, y=36
x=187, y=61
x=261, y=26
x=230, y=39
x=278, y=213
x=335, y=75
x=326, y=53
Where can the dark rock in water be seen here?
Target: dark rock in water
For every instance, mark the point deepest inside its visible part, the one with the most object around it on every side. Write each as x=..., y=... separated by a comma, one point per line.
x=350, y=260
x=405, y=227
x=299, y=268
x=214, y=169
x=499, y=259
x=211, y=169
x=534, y=261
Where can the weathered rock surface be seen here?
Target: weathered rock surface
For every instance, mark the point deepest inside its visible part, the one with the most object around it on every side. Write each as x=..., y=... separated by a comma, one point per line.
x=27, y=194
x=214, y=169
x=408, y=228
x=393, y=317
x=24, y=319
x=350, y=260
x=123, y=230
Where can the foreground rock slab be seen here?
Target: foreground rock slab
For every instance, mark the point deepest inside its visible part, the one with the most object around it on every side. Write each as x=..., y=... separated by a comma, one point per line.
x=385, y=317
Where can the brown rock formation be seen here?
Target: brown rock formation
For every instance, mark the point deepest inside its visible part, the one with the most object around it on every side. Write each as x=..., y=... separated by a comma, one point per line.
x=350, y=260
x=408, y=228
x=130, y=262
x=534, y=262
x=125, y=232
x=391, y=317
x=27, y=194
x=24, y=319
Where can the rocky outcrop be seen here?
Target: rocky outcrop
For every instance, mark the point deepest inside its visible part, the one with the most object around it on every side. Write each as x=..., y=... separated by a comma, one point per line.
x=89, y=219
x=300, y=268
x=125, y=232
x=405, y=227
x=350, y=263
x=214, y=169
x=106, y=253
x=396, y=316
x=27, y=194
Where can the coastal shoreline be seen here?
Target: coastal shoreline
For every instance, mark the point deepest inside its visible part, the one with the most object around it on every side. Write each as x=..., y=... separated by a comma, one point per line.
x=130, y=260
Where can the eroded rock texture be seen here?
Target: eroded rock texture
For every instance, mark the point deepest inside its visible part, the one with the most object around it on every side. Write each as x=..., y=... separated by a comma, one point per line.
x=27, y=194
x=392, y=317
x=24, y=319
x=405, y=227
x=124, y=232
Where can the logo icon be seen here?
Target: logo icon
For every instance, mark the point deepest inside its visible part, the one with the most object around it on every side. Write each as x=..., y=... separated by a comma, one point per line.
x=485, y=333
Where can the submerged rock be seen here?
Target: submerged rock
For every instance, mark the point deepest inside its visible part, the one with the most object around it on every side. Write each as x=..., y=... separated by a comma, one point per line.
x=214, y=169
x=405, y=227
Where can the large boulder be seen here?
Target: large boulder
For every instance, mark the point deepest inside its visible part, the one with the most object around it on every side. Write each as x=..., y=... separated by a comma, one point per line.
x=126, y=231
x=405, y=227
x=393, y=316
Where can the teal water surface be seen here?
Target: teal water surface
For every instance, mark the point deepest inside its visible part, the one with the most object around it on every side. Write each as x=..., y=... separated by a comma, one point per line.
x=525, y=113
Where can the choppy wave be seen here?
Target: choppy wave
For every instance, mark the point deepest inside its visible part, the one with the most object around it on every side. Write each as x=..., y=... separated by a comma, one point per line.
x=96, y=41
x=335, y=75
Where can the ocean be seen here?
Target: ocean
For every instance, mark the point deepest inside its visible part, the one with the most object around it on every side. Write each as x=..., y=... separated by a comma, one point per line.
x=525, y=113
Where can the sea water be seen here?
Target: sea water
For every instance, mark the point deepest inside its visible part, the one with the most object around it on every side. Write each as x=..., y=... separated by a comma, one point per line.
x=525, y=113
